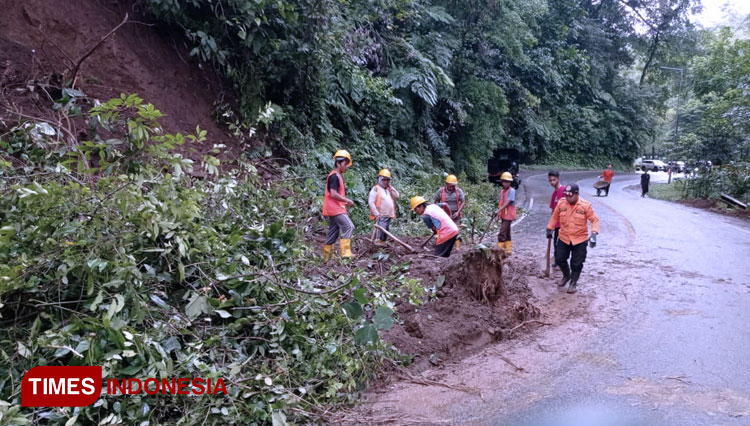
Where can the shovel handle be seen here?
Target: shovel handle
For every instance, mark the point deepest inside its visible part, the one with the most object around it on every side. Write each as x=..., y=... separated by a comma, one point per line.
x=549, y=244
x=427, y=240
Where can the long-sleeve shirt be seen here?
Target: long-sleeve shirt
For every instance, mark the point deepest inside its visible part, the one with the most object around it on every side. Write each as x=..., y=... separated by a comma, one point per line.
x=574, y=220
x=645, y=179
x=387, y=205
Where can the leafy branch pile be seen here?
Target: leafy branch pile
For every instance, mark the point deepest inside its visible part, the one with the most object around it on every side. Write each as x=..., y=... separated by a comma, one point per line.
x=112, y=255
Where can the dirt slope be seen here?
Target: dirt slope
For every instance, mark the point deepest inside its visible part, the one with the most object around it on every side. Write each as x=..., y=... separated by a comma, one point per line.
x=42, y=38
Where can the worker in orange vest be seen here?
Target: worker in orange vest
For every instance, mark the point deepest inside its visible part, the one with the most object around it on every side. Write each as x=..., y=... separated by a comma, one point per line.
x=573, y=213
x=506, y=212
x=436, y=218
x=452, y=196
x=606, y=176
x=382, y=202
x=334, y=207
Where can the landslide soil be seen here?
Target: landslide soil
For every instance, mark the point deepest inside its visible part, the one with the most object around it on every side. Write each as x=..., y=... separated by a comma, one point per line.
x=478, y=296
x=41, y=39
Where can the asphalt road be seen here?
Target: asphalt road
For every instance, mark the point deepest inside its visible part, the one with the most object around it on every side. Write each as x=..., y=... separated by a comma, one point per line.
x=679, y=352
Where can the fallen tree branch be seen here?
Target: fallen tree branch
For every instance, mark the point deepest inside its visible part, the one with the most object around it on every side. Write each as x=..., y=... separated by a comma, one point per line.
x=90, y=51
x=404, y=375
x=527, y=323
x=509, y=362
x=407, y=246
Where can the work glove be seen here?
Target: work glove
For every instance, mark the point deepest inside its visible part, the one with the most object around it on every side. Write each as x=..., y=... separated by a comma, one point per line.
x=549, y=234
x=592, y=240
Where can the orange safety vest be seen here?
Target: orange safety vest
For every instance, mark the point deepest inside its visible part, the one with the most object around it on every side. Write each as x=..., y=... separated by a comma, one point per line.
x=508, y=213
x=333, y=207
x=379, y=201
x=448, y=228
x=458, y=197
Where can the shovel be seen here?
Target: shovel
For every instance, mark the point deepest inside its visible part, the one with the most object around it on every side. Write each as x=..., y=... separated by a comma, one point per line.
x=427, y=241
x=549, y=244
x=494, y=218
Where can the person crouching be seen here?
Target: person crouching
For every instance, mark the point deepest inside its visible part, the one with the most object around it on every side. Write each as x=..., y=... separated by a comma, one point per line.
x=439, y=222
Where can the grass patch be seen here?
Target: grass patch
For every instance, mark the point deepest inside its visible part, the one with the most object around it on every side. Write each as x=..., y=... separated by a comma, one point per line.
x=667, y=191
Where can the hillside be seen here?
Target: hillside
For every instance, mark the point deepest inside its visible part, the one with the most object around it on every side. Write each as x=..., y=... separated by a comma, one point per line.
x=41, y=39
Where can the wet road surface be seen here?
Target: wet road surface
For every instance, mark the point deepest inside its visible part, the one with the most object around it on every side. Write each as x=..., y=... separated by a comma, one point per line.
x=658, y=333
x=679, y=352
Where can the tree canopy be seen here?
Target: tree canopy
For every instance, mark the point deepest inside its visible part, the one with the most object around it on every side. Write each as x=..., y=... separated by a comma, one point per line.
x=437, y=82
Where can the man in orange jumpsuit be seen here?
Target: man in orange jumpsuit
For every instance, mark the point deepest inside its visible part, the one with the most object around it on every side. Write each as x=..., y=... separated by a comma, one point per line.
x=573, y=213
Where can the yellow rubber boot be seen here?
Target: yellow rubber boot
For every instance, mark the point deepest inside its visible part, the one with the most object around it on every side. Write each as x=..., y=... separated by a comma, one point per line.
x=501, y=244
x=346, y=247
x=327, y=251
x=509, y=246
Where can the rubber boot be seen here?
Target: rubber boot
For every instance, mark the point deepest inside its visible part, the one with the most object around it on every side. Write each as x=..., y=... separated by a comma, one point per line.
x=574, y=281
x=509, y=247
x=327, y=251
x=501, y=244
x=346, y=247
x=380, y=243
x=566, y=275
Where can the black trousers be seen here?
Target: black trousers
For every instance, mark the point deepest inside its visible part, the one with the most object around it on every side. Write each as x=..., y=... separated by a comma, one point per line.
x=444, y=249
x=576, y=253
x=555, y=239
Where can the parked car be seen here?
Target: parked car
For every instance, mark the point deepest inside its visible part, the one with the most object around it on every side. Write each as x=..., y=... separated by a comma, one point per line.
x=654, y=165
x=677, y=166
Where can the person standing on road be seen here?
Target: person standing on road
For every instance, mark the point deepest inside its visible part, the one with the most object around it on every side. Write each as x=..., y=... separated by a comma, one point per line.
x=557, y=195
x=506, y=212
x=645, y=180
x=436, y=218
x=382, y=202
x=574, y=213
x=606, y=176
x=334, y=207
x=453, y=196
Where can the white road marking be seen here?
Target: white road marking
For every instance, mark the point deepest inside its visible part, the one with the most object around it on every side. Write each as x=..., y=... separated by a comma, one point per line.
x=516, y=222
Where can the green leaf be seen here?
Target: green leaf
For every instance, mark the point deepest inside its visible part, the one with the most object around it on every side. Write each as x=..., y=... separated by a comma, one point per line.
x=383, y=319
x=440, y=281
x=278, y=419
x=159, y=301
x=353, y=309
x=198, y=305
x=71, y=421
x=359, y=296
x=24, y=351
x=222, y=313
x=366, y=334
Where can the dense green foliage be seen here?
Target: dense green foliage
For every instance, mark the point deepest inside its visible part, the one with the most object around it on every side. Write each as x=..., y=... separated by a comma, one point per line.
x=715, y=119
x=408, y=84
x=111, y=255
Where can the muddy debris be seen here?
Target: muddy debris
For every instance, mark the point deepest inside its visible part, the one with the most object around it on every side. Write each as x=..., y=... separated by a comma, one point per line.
x=481, y=299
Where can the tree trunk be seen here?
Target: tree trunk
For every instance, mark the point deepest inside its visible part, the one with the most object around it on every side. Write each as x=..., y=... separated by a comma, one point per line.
x=651, y=54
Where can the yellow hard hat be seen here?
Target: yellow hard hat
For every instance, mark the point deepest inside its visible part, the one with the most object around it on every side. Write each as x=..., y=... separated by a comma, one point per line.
x=506, y=176
x=451, y=179
x=417, y=201
x=385, y=173
x=344, y=154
